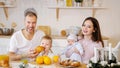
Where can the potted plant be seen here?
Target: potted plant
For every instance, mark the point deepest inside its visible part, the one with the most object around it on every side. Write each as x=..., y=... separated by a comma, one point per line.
x=78, y=2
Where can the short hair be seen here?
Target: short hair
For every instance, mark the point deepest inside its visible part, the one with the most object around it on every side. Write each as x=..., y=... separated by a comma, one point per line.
x=47, y=37
x=30, y=12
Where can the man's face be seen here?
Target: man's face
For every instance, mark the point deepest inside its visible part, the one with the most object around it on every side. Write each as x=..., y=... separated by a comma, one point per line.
x=30, y=23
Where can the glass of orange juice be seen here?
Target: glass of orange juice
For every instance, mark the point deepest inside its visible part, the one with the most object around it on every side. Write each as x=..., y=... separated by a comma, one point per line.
x=4, y=60
x=56, y=58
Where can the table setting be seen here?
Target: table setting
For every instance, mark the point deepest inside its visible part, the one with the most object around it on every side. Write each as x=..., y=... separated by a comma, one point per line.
x=105, y=58
x=47, y=62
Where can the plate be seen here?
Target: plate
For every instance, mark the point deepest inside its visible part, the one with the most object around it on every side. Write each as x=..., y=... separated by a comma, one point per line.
x=69, y=66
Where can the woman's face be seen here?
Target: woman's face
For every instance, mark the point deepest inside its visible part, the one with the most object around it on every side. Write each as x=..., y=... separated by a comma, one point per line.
x=30, y=23
x=87, y=28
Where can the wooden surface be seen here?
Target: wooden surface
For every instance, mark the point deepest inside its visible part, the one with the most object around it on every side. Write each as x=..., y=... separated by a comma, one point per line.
x=56, y=65
x=81, y=66
x=34, y=65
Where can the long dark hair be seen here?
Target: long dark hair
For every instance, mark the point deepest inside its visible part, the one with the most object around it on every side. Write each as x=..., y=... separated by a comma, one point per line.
x=96, y=36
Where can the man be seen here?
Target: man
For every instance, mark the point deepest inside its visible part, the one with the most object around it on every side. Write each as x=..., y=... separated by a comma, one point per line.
x=24, y=41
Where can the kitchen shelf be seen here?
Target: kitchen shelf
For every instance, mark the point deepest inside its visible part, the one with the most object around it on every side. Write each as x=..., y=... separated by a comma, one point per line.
x=5, y=7
x=54, y=7
x=89, y=8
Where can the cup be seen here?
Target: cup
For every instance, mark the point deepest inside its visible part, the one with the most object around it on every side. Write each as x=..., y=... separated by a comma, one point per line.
x=4, y=60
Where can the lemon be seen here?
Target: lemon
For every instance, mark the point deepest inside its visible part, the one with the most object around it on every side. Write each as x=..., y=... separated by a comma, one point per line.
x=55, y=58
x=40, y=60
x=47, y=60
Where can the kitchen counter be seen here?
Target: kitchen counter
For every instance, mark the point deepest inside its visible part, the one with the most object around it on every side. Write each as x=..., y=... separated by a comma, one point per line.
x=54, y=37
x=4, y=36
x=64, y=37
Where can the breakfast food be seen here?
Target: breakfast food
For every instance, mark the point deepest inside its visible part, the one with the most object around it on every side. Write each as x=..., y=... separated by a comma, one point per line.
x=70, y=63
x=47, y=60
x=43, y=60
x=39, y=60
x=38, y=49
x=75, y=64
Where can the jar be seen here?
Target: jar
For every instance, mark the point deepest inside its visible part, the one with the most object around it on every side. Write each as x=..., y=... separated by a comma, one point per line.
x=61, y=2
x=4, y=61
x=87, y=3
x=69, y=3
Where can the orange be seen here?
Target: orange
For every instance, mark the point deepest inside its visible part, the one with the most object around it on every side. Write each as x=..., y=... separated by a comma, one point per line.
x=40, y=60
x=55, y=58
x=47, y=60
x=39, y=49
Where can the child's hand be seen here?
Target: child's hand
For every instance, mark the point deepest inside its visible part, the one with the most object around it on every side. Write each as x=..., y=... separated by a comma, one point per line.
x=76, y=51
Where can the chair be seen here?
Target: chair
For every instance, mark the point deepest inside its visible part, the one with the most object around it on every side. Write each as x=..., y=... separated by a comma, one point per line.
x=116, y=51
x=45, y=29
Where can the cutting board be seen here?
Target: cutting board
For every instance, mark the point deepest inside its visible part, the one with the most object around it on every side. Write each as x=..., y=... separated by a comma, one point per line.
x=45, y=29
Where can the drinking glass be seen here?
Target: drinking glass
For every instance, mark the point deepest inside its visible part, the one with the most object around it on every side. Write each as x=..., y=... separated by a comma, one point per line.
x=4, y=58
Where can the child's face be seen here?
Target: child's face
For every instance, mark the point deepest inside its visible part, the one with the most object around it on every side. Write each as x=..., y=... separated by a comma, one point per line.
x=70, y=41
x=46, y=43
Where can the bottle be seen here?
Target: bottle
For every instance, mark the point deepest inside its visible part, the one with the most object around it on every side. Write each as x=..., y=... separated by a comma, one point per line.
x=69, y=3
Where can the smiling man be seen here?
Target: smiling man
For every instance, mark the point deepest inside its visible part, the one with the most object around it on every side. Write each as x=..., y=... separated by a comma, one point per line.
x=24, y=41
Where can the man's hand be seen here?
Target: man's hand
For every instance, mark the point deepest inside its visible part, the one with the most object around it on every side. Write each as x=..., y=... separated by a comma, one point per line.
x=32, y=54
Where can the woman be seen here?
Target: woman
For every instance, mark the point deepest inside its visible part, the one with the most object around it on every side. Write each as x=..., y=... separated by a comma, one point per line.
x=90, y=38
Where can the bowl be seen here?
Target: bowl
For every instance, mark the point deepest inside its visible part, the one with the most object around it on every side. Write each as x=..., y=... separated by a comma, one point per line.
x=7, y=31
x=1, y=31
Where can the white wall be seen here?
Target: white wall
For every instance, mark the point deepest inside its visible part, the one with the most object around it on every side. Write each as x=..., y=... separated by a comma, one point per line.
x=108, y=18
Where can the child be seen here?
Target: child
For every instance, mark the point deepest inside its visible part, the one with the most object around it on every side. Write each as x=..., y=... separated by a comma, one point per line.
x=46, y=42
x=74, y=50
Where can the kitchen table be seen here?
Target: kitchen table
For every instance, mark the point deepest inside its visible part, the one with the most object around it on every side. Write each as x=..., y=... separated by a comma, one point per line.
x=15, y=64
